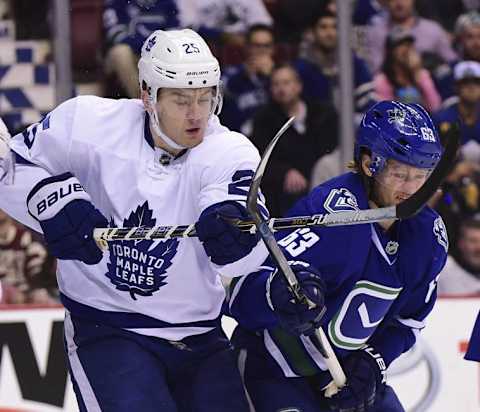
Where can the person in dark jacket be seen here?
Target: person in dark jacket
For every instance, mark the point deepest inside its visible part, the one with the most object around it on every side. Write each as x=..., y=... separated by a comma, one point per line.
x=313, y=134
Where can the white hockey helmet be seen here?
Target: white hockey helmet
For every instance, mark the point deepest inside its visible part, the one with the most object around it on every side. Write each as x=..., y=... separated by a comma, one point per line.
x=178, y=59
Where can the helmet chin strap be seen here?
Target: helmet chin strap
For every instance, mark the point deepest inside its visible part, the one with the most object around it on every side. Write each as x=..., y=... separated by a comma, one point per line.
x=156, y=128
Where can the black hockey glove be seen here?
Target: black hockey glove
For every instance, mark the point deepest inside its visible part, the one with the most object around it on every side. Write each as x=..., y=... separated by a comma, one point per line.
x=67, y=218
x=295, y=317
x=223, y=242
x=365, y=370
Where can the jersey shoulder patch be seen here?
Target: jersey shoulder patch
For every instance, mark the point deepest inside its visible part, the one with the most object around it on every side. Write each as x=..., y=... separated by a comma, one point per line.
x=429, y=226
x=340, y=200
x=440, y=232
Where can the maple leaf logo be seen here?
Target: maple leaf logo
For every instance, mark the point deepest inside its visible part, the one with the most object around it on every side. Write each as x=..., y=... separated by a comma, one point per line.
x=150, y=43
x=140, y=267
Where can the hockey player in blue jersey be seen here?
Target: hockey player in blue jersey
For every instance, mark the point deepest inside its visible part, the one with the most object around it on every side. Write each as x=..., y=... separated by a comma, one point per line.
x=377, y=282
x=473, y=351
x=142, y=326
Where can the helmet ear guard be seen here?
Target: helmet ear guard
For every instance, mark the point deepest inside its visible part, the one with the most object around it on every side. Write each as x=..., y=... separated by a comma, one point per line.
x=377, y=163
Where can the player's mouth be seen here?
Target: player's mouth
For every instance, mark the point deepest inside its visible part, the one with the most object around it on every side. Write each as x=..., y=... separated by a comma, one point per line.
x=193, y=131
x=402, y=198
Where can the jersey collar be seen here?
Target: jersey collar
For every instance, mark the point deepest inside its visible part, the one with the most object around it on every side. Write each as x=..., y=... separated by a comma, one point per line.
x=147, y=134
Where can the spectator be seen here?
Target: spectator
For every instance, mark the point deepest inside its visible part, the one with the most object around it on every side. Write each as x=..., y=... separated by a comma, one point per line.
x=225, y=21
x=127, y=24
x=318, y=67
x=466, y=111
x=27, y=273
x=313, y=134
x=294, y=17
x=429, y=36
x=402, y=76
x=467, y=33
x=467, y=39
x=246, y=85
x=461, y=274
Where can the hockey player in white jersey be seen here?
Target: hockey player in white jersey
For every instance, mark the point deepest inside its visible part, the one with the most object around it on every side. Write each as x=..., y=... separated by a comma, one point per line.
x=142, y=326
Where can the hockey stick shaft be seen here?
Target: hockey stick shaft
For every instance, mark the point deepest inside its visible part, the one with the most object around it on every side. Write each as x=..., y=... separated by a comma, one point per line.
x=334, y=367
x=275, y=224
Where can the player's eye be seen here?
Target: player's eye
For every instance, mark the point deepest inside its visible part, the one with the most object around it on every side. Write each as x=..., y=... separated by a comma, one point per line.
x=420, y=176
x=399, y=175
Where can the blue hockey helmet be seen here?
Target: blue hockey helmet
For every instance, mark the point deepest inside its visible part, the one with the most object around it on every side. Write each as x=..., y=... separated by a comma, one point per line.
x=400, y=131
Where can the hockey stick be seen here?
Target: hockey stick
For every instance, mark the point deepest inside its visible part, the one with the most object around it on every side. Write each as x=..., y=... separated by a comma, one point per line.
x=403, y=210
x=339, y=379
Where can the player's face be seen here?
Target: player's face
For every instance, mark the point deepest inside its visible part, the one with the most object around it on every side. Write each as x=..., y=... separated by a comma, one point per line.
x=397, y=182
x=183, y=114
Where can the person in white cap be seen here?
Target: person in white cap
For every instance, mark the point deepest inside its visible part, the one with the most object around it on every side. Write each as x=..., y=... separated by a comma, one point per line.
x=142, y=325
x=466, y=110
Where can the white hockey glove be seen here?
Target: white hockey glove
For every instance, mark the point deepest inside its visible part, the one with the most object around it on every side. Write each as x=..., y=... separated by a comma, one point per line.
x=7, y=161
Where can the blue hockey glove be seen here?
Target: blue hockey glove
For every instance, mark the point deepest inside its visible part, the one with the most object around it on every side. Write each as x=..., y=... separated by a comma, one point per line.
x=295, y=317
x=365, y=371
x=223, y=242
x=67, y=217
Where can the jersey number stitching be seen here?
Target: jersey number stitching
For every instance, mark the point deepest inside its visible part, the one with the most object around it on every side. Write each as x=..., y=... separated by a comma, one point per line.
x=299, y=241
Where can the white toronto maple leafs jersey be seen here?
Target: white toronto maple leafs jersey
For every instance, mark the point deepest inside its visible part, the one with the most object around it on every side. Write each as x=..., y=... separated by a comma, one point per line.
x=164, y=288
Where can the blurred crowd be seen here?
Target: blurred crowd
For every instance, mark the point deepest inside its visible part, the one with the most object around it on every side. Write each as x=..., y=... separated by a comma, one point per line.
x=279, y=59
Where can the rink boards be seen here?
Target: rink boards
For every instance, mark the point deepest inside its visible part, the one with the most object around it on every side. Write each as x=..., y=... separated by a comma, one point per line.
x=33, y=376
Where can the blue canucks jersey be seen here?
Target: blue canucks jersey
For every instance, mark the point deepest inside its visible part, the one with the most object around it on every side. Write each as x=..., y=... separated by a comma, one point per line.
x=243, y=95
x=380, y=285
x=132, y=21
x=473, y=352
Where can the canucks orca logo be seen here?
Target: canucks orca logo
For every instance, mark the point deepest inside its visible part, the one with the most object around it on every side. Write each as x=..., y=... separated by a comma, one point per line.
x=340, y=200
x=139, y=267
